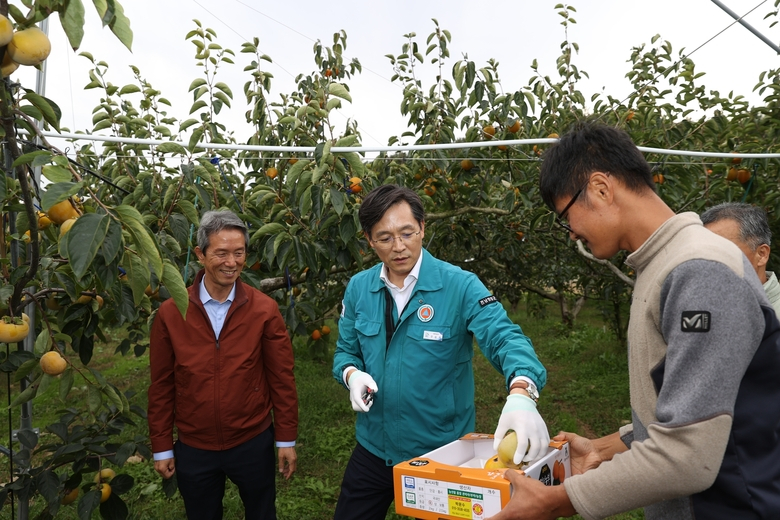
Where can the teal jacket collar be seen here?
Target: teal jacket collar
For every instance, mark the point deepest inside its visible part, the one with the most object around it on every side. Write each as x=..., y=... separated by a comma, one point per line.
x=429, y=280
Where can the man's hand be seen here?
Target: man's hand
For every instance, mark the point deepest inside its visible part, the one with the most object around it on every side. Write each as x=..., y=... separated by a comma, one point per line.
x=166, y=467
x=359, y=382
x=287, y=461
x=532, y=500
x=588, y=454
x=520, y=414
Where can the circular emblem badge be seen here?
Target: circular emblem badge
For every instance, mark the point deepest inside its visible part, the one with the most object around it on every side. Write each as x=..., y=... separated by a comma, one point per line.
x=425, y=313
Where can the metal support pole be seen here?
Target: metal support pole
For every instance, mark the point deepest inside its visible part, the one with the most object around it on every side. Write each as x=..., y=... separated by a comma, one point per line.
x=29, y=342
x=747, y=25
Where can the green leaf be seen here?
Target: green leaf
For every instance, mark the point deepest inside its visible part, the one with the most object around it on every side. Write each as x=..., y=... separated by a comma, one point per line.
x=197, y=82
x=171, y=148
x=26, y=395
x=112, y=244
x=355, y=163
x=57, y=193
x=137, y=274
x=113, y=397
x=48, y=485
x=50, y=111
x=339, y=90
x=56, y=173
x=224, y=88
x=188, y=210
x=186, y=124
x=268, y=229
x=91, y=499
x=72, y=21
x=294, y=171
x=29, y=157
x=42, y=342
x=141, y=236
x=24, y=370
x=66, y=383
x=94, y=398
x=347, y=230
x=337, y=199
x=195, y=138
x=129, y=89
x=173, y=281
x=28, y=439
x=120, y=26
x=85, y=238
x=347, y=140
x=197, y=106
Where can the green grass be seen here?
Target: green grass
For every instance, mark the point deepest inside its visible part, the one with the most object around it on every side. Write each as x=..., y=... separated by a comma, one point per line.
x=587, y=393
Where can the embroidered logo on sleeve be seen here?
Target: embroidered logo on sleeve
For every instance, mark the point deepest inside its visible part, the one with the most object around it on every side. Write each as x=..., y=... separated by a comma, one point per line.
x=695, y=321
x=488, y=300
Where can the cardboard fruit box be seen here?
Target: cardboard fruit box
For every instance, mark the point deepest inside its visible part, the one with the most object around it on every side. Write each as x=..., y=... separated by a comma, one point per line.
x=450, y=483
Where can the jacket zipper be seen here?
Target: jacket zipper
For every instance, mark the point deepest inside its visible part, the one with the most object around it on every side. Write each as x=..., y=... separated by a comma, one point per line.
x=217, y=378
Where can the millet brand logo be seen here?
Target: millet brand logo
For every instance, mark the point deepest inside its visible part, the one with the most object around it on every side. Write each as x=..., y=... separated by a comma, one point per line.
x=695, y=321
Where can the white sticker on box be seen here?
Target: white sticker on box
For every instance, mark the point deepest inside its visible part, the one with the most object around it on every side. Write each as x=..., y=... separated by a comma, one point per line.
x=450, y=498
x=434, y=336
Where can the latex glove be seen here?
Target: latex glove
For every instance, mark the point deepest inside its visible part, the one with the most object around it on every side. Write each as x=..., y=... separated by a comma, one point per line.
x=359, y=383
x=520, y=414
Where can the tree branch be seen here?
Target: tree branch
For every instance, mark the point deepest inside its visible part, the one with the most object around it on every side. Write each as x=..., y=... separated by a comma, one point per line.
x=466, y=209
x=268, y=285
x=617, y=272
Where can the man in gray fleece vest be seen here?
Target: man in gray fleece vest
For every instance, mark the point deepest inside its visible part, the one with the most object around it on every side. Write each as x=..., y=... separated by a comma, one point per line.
x=704, y=354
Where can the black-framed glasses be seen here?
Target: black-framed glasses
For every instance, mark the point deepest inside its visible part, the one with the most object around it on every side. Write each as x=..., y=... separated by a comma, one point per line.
x=560, y=219
x=386, y=242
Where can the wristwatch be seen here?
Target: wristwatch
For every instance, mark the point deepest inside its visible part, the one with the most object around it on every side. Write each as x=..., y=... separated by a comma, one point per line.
x=533, y=392
x=530, y=387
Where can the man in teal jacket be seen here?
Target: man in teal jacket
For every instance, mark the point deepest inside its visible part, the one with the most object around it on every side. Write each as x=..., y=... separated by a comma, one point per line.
x=404, y=352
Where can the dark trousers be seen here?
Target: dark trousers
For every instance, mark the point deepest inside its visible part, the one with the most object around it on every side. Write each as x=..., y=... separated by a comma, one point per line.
x=251, y=466
x=367, y=488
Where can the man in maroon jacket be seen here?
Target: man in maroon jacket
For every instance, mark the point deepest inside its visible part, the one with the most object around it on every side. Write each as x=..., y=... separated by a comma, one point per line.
x=217, y=376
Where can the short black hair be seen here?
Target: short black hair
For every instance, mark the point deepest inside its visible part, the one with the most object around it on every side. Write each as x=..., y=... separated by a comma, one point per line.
x=752, y=221
x=590, y=147
x=380, y=199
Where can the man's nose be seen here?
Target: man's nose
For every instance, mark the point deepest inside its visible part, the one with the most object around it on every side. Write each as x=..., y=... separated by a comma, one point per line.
x=398, y=244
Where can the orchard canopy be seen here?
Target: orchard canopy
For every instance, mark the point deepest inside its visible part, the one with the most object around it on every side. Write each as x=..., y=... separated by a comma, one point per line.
x=131, y=208
x=139, y=203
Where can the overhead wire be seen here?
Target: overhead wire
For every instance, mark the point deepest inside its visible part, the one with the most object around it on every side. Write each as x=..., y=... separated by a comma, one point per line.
x=398, y=148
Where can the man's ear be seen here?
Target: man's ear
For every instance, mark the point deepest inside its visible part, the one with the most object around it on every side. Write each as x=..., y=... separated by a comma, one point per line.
x=198, y=253
x=601, y=187
x=762, y=255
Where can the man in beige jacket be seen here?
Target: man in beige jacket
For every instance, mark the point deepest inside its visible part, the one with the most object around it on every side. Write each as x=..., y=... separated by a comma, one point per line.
x=703, y=357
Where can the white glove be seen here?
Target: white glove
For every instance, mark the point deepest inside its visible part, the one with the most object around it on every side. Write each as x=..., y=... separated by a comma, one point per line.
x=359, y=383
x=520, y=414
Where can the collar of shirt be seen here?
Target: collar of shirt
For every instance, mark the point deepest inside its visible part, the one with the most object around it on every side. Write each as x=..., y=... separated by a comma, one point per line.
x=216, y=311
x=402, y=296
x=205, y=297
x=410, y=279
